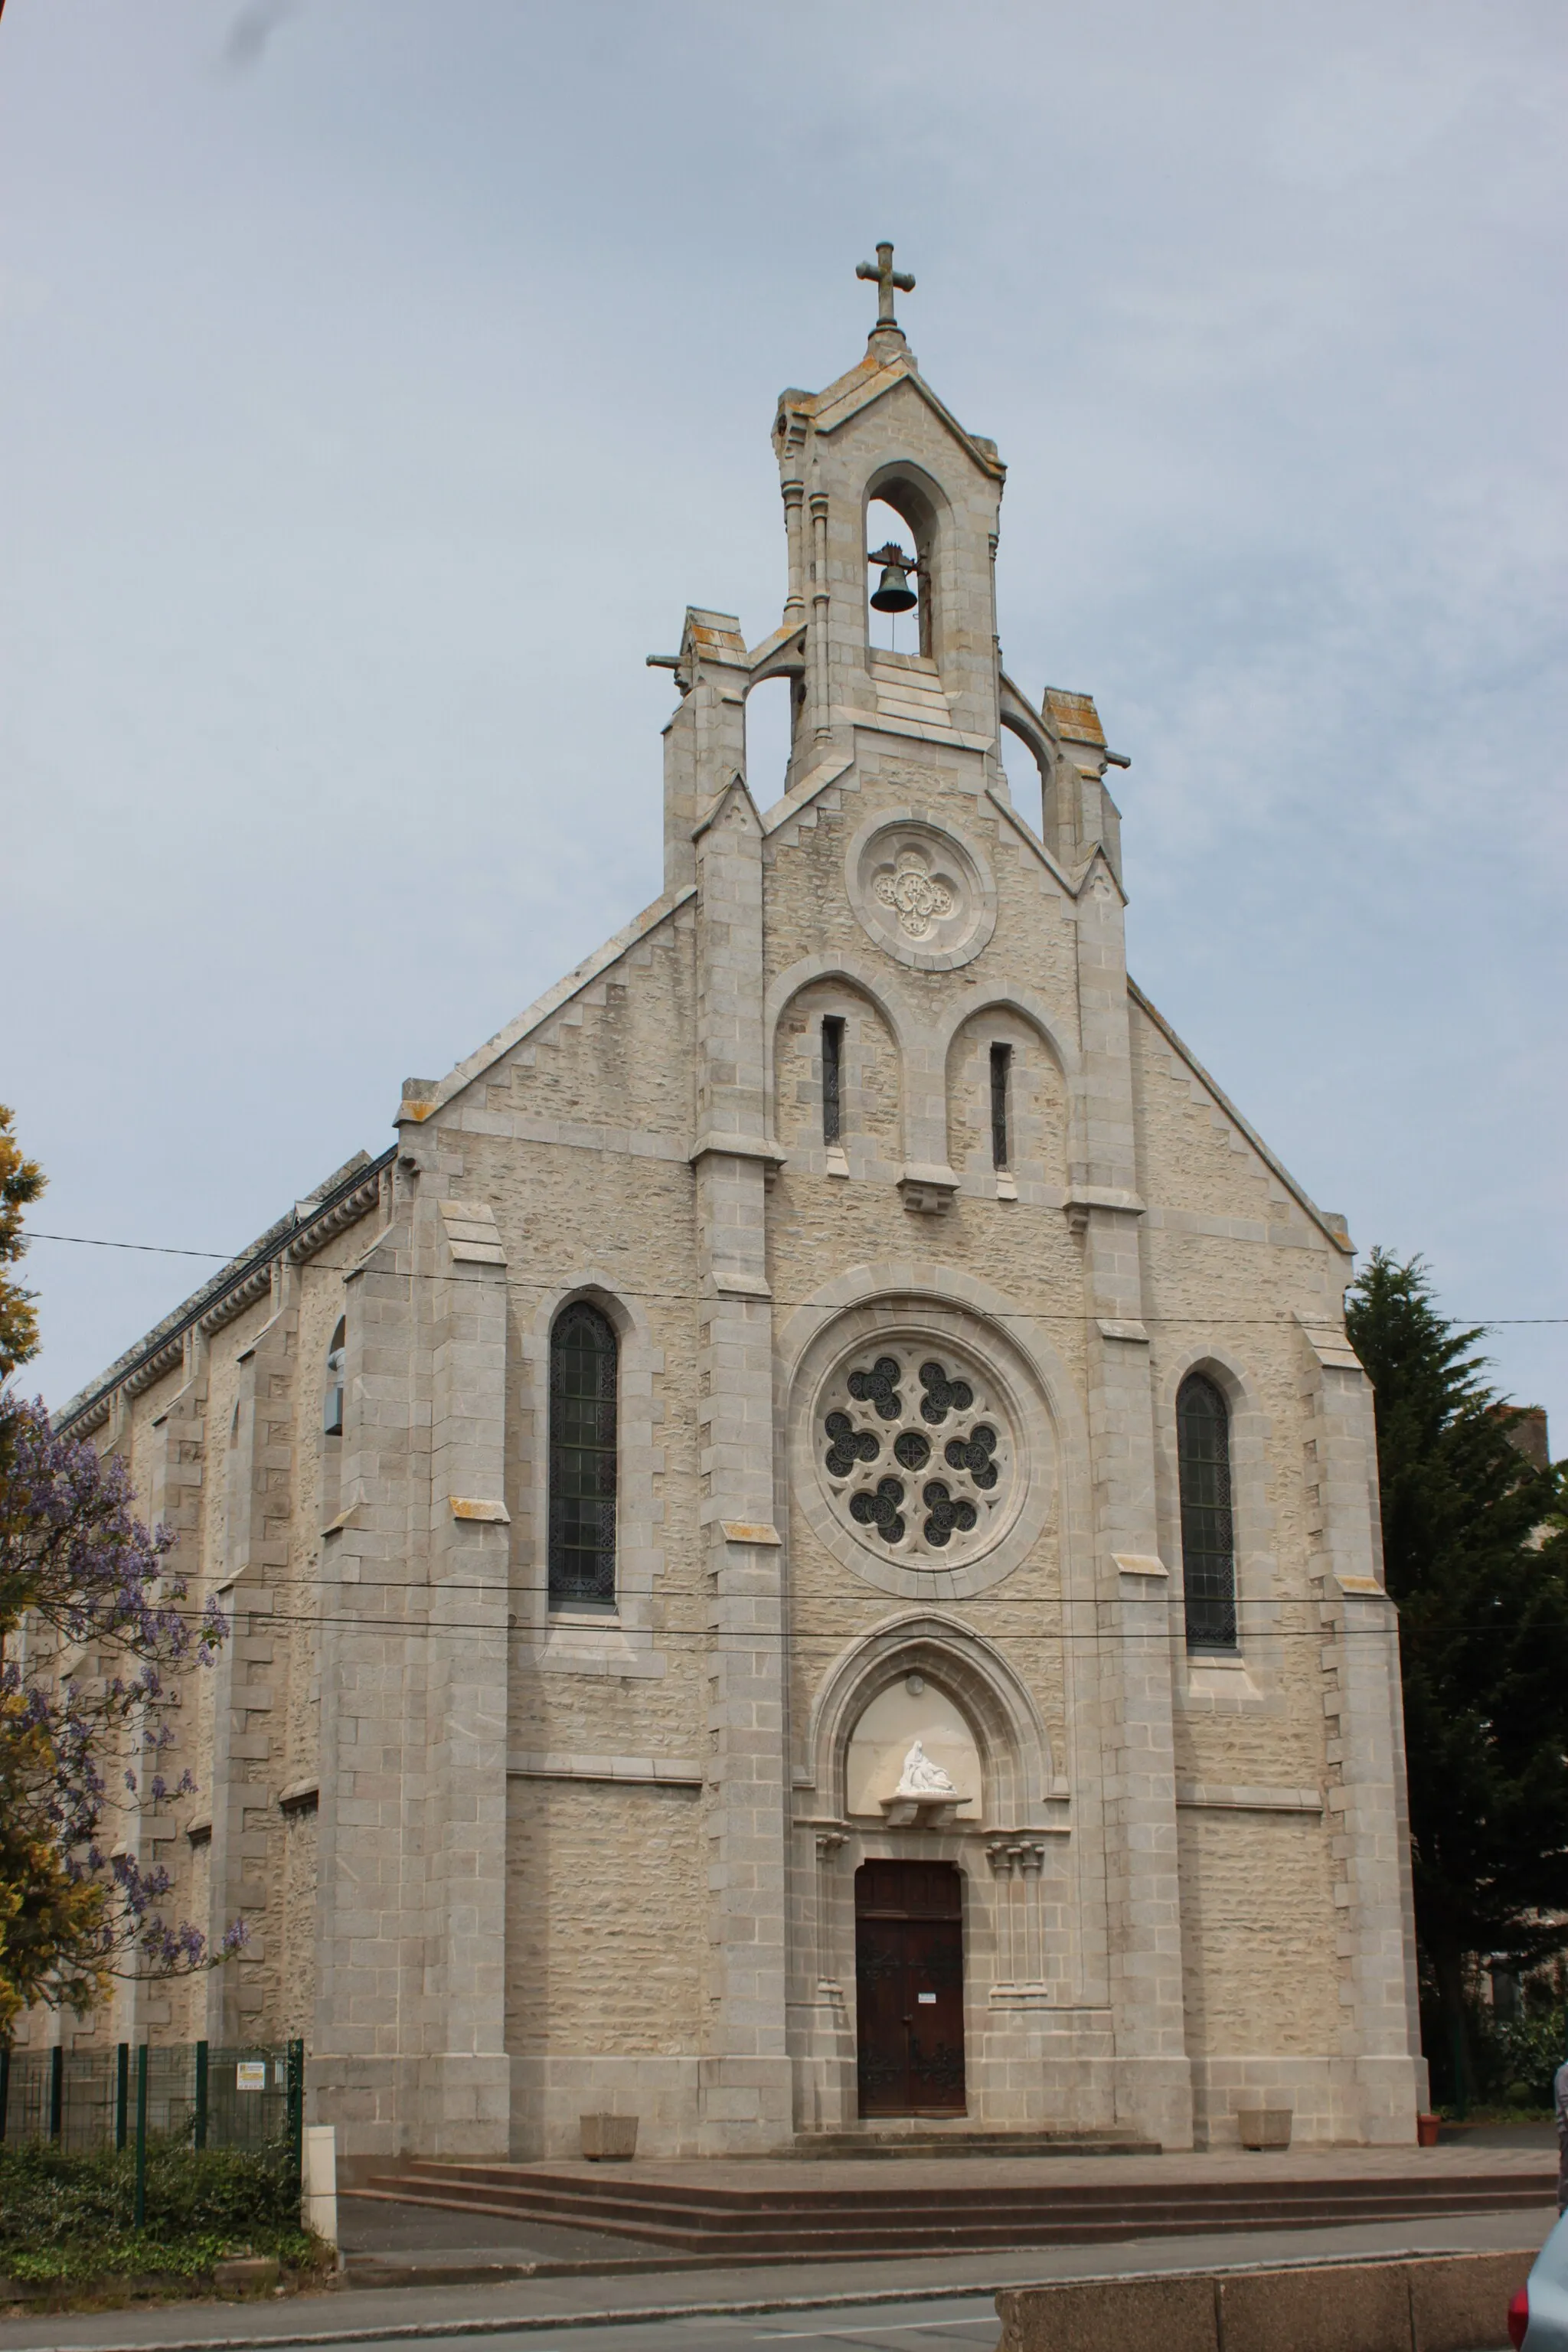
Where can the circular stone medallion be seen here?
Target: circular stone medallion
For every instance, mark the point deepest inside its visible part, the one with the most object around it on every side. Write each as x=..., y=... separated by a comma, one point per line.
x=923, y=895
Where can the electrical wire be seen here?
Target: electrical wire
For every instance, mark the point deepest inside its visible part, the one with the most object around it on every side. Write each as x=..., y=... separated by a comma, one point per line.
x=811, y=1637
x=693, y=1297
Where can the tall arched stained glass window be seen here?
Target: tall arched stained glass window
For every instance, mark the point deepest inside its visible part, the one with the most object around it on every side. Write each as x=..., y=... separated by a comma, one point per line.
x=1208, y=1542
x=583, y=1356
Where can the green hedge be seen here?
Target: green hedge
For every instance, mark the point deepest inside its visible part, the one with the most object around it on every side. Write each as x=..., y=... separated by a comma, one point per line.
x=69, y=2218
x=1522, y=2056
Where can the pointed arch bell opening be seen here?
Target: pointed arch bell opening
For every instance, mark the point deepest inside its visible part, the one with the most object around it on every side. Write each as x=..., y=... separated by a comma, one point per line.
x=583, y=1368
x=1208, y=1537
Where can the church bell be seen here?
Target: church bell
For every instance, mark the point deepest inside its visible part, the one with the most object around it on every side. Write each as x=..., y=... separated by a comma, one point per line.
x=893, y=593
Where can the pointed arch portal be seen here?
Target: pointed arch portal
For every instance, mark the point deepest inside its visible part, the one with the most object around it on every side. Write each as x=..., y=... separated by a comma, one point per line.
x=909, y=1987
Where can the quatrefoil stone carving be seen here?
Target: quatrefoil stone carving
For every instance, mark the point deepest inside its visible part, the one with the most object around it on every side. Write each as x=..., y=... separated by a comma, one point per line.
x=912, y=894
x=925, y=894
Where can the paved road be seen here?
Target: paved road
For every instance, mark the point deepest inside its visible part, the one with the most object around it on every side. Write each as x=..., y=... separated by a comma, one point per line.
x=910, y=2304
x=923, y=2327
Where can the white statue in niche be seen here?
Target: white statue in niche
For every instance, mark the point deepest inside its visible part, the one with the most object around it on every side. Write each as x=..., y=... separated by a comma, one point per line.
x=923, y=1776
x=898, y=1717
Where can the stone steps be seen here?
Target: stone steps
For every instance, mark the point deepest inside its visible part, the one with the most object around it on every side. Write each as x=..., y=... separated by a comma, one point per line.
x=910, y=693
x=818, y=2145
x=701, y=2218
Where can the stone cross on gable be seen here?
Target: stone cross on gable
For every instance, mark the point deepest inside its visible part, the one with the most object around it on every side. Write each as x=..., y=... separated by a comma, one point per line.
x=884, y=276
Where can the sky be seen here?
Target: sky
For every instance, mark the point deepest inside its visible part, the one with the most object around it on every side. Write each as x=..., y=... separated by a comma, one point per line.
x=379, y=383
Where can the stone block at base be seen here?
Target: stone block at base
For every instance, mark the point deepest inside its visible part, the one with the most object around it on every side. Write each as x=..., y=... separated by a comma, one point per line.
x=1341, y=2307
x=1437, y=2303
x=247, y=2274
x=1460, y=2302
x=1264, y=2127
x=608, y=2138
x=1110, y=2316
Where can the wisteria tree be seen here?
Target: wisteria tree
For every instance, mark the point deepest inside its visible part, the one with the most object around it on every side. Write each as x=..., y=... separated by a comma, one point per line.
x=92, y=1624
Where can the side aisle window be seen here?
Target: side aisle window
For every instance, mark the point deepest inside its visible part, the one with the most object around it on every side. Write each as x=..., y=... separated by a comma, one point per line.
x=1208, y=1542
x=332, y=1394
x=582, y=1382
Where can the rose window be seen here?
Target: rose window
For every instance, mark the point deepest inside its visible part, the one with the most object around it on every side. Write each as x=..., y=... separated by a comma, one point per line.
x=915, y=1453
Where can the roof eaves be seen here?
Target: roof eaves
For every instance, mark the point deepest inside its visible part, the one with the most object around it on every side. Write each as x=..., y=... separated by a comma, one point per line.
x=318, y=1207
x=1341, y=1241
x=1031, y=839
x=581, y=976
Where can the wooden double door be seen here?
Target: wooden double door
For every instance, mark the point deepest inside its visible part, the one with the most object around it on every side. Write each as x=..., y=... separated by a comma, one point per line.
x=909, y=1987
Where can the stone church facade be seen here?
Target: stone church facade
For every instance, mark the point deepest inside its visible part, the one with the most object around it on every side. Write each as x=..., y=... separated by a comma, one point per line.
x=841, y=1316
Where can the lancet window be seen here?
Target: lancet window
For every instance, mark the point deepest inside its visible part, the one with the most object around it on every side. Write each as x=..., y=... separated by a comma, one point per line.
x=584, y=1361
x=1001, y=1090
x=332, y=1393
x=1209, y=1540
x=832, y=1079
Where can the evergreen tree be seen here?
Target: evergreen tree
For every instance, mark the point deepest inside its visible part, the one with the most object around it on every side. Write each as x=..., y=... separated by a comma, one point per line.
x=1475, y=1553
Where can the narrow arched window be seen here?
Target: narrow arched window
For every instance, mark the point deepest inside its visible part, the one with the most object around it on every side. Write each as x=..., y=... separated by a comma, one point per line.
x=1001, y=1104
x=332, y=1393
x=832, y=1079
x=1208, y=1542
x=583, y=1361
x=334, y=1382
x=902, y=554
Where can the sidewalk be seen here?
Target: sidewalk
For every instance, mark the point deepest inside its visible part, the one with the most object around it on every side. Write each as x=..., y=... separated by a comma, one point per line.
x=525, y=2307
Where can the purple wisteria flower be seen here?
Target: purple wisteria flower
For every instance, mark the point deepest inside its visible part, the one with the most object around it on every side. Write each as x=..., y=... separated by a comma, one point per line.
x=94, y=1623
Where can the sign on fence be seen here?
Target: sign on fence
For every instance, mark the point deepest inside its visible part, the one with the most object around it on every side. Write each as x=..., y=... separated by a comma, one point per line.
x=191, y=2091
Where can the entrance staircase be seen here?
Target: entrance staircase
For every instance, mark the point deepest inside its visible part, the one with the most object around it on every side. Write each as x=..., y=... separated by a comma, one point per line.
x=711, y=2213
x=959, y=2141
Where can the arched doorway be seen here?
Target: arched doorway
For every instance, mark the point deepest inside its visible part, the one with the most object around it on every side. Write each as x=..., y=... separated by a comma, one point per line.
x=908, y=1986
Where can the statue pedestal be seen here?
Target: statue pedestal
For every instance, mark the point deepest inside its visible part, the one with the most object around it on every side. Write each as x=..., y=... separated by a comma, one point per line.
x=920, y=1812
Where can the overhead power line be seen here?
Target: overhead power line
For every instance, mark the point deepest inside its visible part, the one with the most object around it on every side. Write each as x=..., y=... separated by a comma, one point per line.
x=806, y=1637
x=1029, y=1314
x=153, y=1249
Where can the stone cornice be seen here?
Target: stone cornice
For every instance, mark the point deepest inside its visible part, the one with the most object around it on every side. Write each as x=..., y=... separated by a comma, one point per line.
x=307, y=1227
x=581, y=976
x=1330, y=1230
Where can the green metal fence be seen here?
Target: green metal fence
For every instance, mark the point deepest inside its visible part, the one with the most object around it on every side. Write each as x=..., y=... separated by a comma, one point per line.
x=122, y=2096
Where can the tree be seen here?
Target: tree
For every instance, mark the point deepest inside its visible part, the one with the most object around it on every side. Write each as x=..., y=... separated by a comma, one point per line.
x=21, y=1181
x=1476, y=1555
x=91, y=1623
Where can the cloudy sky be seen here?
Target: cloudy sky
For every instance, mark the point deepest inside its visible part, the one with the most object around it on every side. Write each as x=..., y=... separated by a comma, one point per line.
x=379, y=382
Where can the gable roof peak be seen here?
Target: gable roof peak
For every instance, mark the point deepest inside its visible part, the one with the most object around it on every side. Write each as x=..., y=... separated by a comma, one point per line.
x=888, y=362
